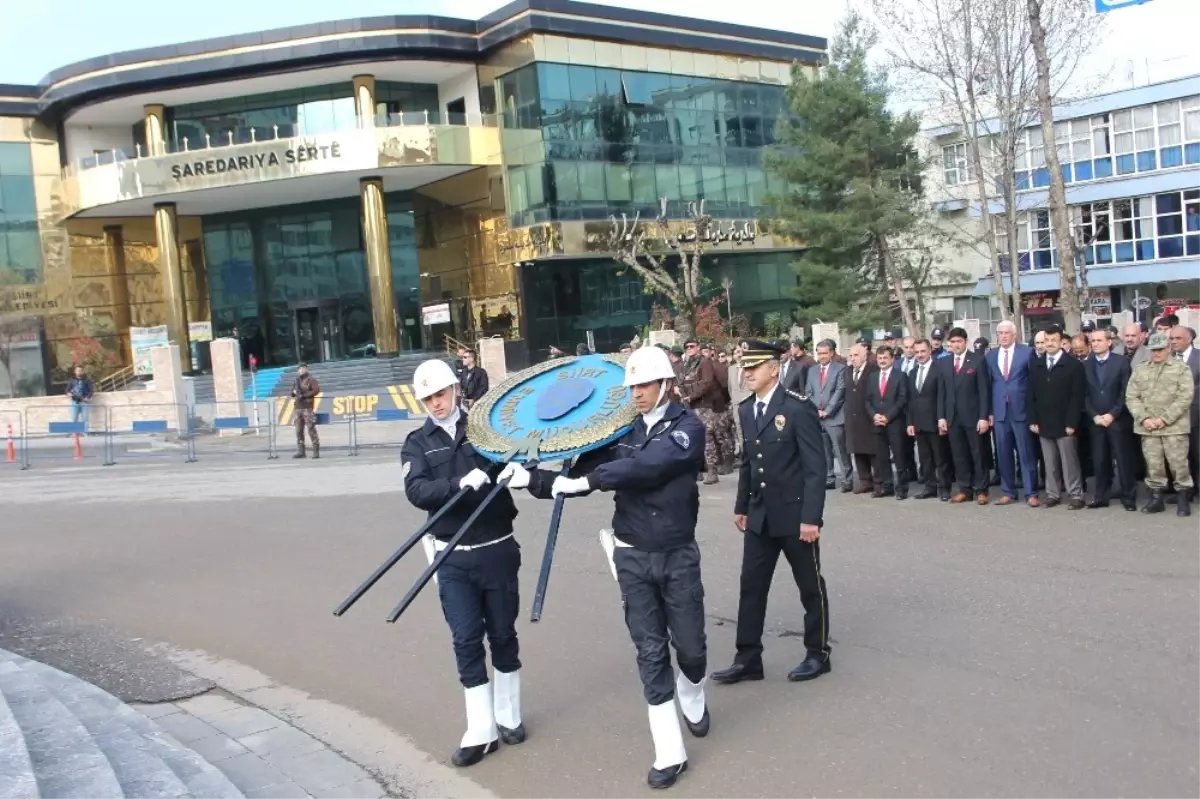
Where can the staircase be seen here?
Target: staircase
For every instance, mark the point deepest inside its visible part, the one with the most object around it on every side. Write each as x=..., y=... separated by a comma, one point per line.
x=364, y=374
x=63, y=737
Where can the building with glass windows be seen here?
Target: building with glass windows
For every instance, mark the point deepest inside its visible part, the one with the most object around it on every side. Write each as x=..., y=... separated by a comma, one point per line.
x=371, y=186
x=1131, y=161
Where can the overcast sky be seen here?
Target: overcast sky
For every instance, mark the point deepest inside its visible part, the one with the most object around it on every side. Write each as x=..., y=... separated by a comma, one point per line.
x=1155, y=41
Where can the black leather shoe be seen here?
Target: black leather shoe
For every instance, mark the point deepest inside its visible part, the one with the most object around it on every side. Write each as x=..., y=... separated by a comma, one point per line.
x=1075, y=504
x=665, y=778
x=847, y=487
x=700, y=728
x=925, y=493
x=736, y=673
x=512, y=737
x=830, y=485
x=1096, y=503
x=470, y=755
x=1129, y=504
x=810, y=669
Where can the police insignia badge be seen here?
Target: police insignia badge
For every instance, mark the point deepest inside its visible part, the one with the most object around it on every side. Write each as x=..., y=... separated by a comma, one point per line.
x=681, y=438
x=554, y=410
x=780, y=421
x=407, y=468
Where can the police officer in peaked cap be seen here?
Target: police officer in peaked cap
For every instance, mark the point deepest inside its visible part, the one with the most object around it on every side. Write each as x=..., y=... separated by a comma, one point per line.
x=779, y=508
x=478, y=585
x=652, y=549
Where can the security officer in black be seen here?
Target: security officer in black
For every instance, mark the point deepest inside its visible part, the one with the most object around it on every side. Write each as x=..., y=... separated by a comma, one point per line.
x=473, y=378
x=653, y=552
x=478, y=584
x=779, y=507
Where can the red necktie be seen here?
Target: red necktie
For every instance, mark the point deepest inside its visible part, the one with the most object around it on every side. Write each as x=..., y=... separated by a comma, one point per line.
x=882, y=383
x=957, y=364
x=823, y=375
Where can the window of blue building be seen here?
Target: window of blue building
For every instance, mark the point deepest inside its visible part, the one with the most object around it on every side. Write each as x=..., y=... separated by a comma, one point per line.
x=20, y=244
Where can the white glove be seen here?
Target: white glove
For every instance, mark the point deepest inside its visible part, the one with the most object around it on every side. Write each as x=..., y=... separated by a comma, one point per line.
x=569, y=485
x=516, y=474
x=475, y=479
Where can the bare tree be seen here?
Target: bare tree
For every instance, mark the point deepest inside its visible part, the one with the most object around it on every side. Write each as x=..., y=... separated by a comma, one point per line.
x=630, y=243
x=976, y=58
x=1055, y=15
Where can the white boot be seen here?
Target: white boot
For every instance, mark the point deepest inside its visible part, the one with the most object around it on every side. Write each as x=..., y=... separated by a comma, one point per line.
x=668, y=738
x=481, y=718
x=508, y=706
x=692, y=704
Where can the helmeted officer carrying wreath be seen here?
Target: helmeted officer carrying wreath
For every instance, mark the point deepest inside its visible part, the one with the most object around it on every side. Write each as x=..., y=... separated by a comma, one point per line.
x=652, y=471
x=478, y=586
x=779, y=507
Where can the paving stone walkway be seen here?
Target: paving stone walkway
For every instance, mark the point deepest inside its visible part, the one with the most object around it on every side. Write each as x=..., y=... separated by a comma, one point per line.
x=64, y=737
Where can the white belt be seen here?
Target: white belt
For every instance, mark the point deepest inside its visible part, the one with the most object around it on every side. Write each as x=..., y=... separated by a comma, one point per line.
x=440, y=545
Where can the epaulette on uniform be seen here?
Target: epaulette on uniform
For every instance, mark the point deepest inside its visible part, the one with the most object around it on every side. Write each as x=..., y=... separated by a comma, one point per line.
x=801, y=397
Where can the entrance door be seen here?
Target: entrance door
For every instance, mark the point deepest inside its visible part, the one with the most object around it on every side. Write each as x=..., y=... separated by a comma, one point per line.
x=318, y=333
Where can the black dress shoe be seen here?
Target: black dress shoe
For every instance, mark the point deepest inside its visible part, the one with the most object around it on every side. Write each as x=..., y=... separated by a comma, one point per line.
x=736, y=673
x=665, y=778
x=1129, y=504
x=700, y=728
x=1076, y=504
x=830, y=485
x=847, y=487
x=512, y=737
x=1096, y=503
x=810, y=669
x=925, y=494
x=470, y=755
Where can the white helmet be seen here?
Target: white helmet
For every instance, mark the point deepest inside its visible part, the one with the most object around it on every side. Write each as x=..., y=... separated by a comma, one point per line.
x=646, y=365
x=431, y=377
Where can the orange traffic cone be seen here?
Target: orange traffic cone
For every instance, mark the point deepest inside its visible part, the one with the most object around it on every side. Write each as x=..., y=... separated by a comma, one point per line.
x=78, y=448
x=12, y=451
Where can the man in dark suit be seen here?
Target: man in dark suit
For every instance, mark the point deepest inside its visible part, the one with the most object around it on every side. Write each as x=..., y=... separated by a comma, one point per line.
x=925, y=401
x=966, y=407
x=474, y=379
x=1110, y=425
x=1008, y=369
x=793, y=370
x=827, y=390
x=887, y=399
x=1056, y=388
x=779, y=508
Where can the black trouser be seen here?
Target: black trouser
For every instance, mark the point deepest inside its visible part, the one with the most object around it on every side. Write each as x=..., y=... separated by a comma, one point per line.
x=911, y=448
x=760, y=553
x=664, y=606
x=970, y=465
x=480, y=595
x=935, y=460
x=891, y=447
x=871, y=472
x=1109, y=443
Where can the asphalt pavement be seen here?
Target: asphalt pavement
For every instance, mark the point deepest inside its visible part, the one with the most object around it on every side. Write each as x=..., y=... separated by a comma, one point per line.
x=976, y=651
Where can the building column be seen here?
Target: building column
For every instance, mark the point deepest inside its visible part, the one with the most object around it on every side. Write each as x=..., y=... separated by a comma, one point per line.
x=379, y=265
x=155, y=118
x=114, y=255
x=166, y=232
x=364, y=100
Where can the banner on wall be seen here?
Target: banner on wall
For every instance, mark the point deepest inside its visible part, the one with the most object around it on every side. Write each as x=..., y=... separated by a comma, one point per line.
x=141, y=341
x=200, y=331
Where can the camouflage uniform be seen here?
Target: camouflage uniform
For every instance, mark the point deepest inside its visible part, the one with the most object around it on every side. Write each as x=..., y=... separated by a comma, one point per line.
x=705, y=396
x=1162, y=391
x=305, y=391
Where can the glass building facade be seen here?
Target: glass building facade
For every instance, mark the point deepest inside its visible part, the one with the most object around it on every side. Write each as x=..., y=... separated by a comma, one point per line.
x=293, y=280
x=617, y=141
x=20, y=244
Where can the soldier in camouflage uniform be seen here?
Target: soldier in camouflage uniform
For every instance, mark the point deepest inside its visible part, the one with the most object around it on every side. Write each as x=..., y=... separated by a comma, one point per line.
x=305, y=390
x=702, y=393
x=1160, y=396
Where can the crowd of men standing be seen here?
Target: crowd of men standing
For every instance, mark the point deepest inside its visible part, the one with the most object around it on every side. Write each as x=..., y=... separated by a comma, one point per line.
x=956, y=417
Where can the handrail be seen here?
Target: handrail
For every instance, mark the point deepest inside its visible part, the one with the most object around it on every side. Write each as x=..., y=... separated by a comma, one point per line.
x=411, y=119
x=117, y=380
x=452, y=344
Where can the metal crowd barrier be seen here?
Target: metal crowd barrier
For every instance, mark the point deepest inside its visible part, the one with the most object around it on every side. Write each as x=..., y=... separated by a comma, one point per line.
x=378, y=437
x=246, y=427
x=164, y=419
x=60, y=432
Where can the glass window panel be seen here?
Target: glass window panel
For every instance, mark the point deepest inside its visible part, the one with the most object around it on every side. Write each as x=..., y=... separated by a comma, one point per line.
x=1168, y=112
x=583, y=83
x=15, y=159
x=554, y=81
x=1169, y=134
x=1144, y=139
x=1100, y=141
x=1171, y=247
x=667, y=178
x=25, y=250
x=617, y=183
x=591, y=182
x=644, y=191
x=1191, y=125
x=1143, y=116
x=608, y=82
x=1123, y=142
x=17, y=198
x=1168, y=203
x=566, y=181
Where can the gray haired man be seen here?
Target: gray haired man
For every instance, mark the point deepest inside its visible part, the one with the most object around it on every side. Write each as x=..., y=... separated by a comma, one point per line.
x=827, y=389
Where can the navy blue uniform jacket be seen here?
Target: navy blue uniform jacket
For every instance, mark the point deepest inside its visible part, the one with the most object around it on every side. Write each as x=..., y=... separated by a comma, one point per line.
x=654, y=479
x=433, y=463
x=782, y=480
